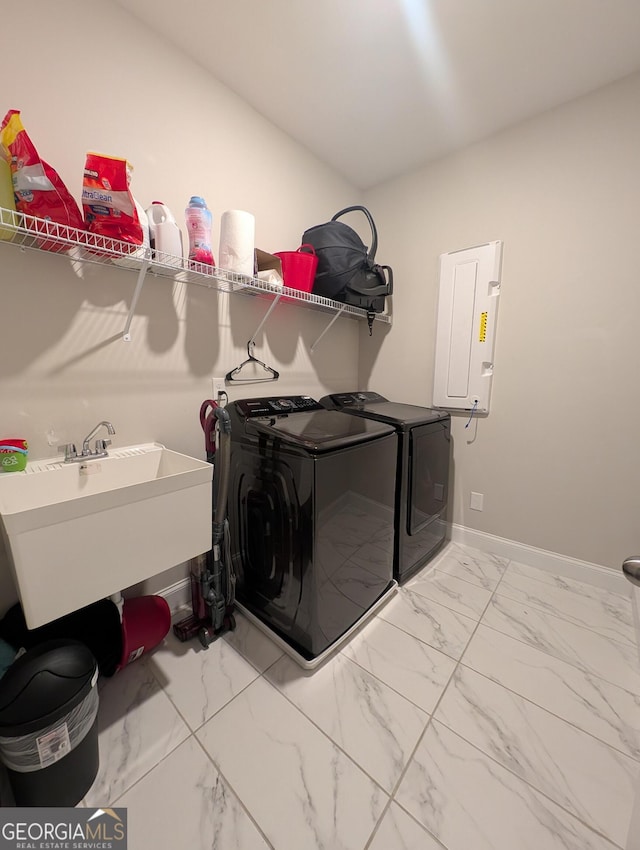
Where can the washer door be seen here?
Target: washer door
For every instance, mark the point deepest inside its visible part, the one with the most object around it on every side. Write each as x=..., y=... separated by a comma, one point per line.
x=270, y=545
x=429, y=452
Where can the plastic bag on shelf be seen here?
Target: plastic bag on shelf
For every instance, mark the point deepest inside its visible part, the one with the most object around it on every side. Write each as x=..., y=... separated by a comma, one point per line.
x=39, y=191
x=109, y=207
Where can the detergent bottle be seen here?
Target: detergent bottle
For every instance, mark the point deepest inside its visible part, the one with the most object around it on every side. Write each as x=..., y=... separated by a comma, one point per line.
x=199, y=221
x=166, y=239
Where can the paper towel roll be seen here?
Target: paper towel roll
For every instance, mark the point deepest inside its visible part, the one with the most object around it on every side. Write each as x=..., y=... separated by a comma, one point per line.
x=237, y=236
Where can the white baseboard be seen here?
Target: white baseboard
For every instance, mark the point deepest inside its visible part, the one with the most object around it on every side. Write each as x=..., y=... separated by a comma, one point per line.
x=561, y=565
x=178, y=595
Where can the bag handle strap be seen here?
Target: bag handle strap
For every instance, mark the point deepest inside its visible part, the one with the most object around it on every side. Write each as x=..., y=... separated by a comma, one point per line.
x=384, y=287
x=374, y=232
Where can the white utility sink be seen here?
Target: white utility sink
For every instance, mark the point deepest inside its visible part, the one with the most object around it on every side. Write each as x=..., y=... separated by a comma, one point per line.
x=77, y=532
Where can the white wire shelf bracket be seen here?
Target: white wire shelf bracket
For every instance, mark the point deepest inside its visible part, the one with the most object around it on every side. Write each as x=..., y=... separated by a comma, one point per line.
x=80, y=246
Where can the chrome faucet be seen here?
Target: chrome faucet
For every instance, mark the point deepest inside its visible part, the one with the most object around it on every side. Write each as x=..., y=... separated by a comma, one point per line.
x=70, y=454
x=101, y=445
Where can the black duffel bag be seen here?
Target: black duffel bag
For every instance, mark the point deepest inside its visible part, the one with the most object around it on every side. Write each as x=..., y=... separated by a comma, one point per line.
x=347, y=271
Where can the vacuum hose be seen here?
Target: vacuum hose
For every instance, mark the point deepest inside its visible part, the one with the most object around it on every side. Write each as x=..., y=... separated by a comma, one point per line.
x=215, y=593
x=223, y=464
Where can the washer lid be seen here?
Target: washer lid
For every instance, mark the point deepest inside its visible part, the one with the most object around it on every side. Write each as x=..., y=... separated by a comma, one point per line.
x=322, y=430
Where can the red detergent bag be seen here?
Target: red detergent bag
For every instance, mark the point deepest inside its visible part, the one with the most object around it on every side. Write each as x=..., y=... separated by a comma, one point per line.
x=109, y=208
x=38, y=189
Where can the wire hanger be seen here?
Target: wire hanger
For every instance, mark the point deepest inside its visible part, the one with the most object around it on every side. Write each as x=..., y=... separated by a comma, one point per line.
x=251, y=359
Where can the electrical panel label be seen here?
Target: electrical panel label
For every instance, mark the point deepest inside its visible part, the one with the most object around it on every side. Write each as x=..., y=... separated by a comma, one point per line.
x=482, y=337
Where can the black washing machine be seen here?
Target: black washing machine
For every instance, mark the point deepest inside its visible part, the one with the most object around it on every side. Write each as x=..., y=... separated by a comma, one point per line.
x=311, y=516
x=424, y=452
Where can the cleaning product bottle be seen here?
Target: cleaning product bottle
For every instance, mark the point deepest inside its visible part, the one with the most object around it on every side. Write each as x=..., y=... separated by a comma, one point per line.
x=134, y=259
x=199, y=222
x=7, y=198
x=166, y=239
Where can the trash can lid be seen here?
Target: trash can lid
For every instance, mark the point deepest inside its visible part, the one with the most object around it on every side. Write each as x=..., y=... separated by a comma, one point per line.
x=44, y=684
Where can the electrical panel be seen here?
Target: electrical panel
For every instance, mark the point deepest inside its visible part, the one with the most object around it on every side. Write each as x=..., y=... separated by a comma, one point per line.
x=468, y=298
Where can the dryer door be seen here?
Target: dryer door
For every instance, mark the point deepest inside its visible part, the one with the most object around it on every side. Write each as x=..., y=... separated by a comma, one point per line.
x=270, y=533
x=429, y=452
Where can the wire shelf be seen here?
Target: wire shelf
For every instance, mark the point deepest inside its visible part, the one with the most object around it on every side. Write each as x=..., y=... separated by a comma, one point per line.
x=28, y=232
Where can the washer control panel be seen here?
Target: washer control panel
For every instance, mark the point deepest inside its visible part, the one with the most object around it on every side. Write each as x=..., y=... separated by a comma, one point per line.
x=276, y=406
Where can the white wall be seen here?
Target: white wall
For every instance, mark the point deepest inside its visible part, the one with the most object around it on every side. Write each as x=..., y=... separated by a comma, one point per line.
x=558, y=456
x=87, y=76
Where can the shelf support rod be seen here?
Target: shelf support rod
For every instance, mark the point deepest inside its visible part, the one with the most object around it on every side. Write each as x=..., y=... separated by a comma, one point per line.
x=334, y=319
x=126, y=336
x=252, y=341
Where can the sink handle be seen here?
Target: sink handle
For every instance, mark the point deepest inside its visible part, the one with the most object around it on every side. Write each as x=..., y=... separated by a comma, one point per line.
x=101, y=446
x=631, y=569
x=69, y=450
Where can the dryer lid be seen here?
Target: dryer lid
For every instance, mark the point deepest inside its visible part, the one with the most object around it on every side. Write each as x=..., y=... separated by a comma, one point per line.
x=400, y=414
x=322, y=430
x=377, y=407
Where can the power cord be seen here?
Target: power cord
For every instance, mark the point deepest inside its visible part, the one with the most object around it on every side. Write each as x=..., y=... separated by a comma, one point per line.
x=473, y=410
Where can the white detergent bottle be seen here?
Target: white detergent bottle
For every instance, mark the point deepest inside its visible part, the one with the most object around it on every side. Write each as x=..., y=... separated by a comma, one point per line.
x=135, y=258
x=166, y=238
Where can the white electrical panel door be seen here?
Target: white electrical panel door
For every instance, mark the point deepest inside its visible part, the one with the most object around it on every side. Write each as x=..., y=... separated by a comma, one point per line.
x=466, y=327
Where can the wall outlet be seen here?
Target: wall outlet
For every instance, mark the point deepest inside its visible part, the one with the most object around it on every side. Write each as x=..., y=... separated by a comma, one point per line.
x=218, y=386
x=476, y=502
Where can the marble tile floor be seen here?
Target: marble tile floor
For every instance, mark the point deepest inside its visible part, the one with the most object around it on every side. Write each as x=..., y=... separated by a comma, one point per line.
x=488, y=705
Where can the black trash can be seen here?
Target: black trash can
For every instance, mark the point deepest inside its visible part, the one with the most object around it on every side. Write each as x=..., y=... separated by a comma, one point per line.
x=49, y=724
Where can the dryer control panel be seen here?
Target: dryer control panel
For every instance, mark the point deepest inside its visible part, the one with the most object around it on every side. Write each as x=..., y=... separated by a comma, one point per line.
x=355, y=399
x=250, y=408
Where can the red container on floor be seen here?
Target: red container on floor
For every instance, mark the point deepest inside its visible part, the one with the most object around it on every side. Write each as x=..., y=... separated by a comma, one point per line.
x=146, y=621
x=299, y=267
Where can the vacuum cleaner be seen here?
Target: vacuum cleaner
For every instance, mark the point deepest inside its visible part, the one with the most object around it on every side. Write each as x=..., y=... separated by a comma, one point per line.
x=212, y=578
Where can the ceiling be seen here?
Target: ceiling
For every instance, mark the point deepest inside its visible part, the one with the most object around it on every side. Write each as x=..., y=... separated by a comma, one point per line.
x=376, y=88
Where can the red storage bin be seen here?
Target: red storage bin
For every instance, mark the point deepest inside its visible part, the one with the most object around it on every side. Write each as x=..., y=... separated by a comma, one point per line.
x=299, y=267
x=146, y=621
